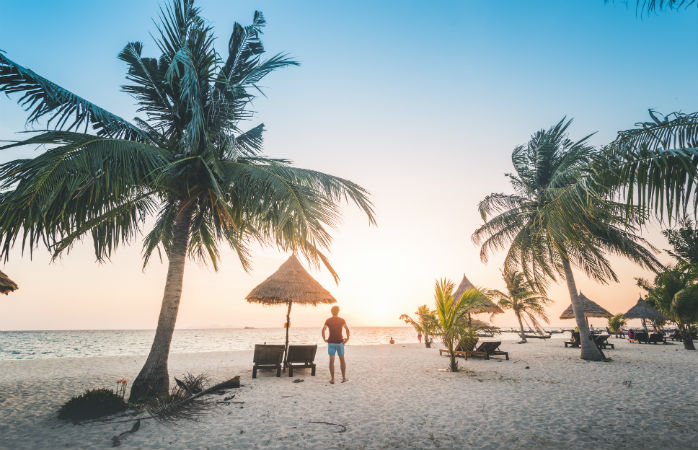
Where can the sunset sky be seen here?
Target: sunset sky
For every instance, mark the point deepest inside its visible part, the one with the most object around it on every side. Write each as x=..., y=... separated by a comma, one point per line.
x=420, y=102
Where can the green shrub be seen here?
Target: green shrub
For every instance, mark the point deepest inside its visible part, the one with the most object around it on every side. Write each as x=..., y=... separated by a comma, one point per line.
x=615, y=322
x=92, y=404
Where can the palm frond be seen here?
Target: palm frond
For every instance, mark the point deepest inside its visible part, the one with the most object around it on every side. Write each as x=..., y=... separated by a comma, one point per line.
x=64, y=110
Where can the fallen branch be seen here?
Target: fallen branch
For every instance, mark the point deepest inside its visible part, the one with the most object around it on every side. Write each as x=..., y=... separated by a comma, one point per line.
x=116, y=440
x=343, y=428
x=178, y=408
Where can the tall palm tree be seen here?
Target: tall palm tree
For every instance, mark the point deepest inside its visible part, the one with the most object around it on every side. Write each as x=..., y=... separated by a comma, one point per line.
x=545, y=236
x=453, y=315
x=522, y=298
x=188, y=161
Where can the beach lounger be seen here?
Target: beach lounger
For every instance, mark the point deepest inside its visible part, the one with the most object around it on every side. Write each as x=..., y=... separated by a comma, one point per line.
x=574, y=342
x=487, y=349
x=656, y=338
x=443, y=351
x=301, y=357
x=601, y=341
x=641, y=337
x=268, y=357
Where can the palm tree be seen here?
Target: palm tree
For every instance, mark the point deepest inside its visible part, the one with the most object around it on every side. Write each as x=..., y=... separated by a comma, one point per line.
x=453, y=322
x=650, y=6
x=523, y=299
x=548, y=230
x=424, y=323
x=674, y=293
x=188, y=161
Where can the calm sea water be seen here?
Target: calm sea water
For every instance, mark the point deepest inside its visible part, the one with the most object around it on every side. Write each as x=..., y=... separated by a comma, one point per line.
x=87, y=343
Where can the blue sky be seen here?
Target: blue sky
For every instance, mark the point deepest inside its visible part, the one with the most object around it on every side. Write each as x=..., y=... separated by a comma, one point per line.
x=421, y=102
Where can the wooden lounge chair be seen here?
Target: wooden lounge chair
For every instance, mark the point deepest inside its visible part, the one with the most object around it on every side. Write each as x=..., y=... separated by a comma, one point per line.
x=574, y=341
x=268, y=357
x=641, y=337
x=443, y=351
x=487, y=349
x=601, y=341
x=301, y=357
x=656, y=338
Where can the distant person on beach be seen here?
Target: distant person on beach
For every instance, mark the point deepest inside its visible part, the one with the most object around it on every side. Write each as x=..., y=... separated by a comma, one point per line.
x=419, y=337
x=335, y=342
x=392, y=341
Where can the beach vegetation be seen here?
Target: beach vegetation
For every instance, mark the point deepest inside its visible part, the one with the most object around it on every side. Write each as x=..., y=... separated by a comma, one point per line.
x=552, y=223
x=424, y=322
x=523, y=299
x=615, y=322
x=92, y=404
x=674, y=291
x=453, y=316
x=189, y=162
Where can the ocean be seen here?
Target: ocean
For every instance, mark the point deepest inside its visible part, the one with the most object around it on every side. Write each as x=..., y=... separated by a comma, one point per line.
x=88, y=343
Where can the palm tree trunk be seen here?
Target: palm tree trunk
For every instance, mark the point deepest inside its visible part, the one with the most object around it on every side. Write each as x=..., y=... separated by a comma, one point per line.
x=523, y=334
x=687, y=338
x=590, y=351
x=153, y=379
x=452, y=355
x=288, y=325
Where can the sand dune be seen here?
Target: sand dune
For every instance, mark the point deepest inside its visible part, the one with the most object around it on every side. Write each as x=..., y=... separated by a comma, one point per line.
x=399, y=397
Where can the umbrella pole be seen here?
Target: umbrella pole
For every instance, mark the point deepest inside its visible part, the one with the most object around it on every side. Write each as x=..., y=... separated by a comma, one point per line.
x=288, y=325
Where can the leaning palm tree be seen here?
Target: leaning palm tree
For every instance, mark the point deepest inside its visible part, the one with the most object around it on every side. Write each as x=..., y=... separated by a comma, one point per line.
x=188, y=162
x=522, y=298
x=545, y=236
x=453, y=322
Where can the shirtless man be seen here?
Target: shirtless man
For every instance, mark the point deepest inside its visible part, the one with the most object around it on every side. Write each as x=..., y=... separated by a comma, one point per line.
x=335, y=342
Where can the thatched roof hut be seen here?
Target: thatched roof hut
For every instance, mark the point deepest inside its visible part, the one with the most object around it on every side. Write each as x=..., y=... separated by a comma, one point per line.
x=464, y=285
x=6, y=285
x=291, y=283
x=643, y=310
x=590, y=308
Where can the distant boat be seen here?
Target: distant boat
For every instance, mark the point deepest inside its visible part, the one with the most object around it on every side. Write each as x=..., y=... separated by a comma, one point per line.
x=249, y=328
x=485, y=334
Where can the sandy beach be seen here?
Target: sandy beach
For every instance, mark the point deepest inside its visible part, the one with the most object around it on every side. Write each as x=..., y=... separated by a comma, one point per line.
x=398, y=396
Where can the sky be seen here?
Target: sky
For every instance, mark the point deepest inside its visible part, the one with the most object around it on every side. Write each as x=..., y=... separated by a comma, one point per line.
x=420, y=102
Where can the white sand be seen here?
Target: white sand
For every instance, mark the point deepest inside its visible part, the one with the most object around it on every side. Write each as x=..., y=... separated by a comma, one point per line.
x=398, y=397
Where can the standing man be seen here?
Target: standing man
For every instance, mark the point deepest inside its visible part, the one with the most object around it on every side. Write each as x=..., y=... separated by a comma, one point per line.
x=335, y=342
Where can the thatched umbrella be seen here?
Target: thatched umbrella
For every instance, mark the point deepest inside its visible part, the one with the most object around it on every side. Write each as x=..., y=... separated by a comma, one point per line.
x=6, y=285
x=489, y=307
x=290, y=284
x=643, y=310
x=590, y=309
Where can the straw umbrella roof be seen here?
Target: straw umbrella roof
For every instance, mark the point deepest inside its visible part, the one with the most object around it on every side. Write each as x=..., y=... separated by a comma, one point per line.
x=590, y=308
x=6, y=285
x=490, y=307
x=290, y=283
x=643, y=310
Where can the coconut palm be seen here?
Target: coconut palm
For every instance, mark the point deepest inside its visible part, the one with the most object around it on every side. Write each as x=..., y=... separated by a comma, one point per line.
x=522, y=298
x=545, y=235
x=453, y=323
x=424, y=322
x=649, y=6
x=674, y=293
x=189, y=162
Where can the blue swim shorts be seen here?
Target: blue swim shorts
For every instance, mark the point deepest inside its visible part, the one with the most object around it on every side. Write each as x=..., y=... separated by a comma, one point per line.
x=335, y=348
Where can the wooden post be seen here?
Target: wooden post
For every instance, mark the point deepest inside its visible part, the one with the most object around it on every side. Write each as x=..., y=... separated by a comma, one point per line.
x=288, y=325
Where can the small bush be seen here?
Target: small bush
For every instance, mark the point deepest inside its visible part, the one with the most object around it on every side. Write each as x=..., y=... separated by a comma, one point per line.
x=92, y=404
